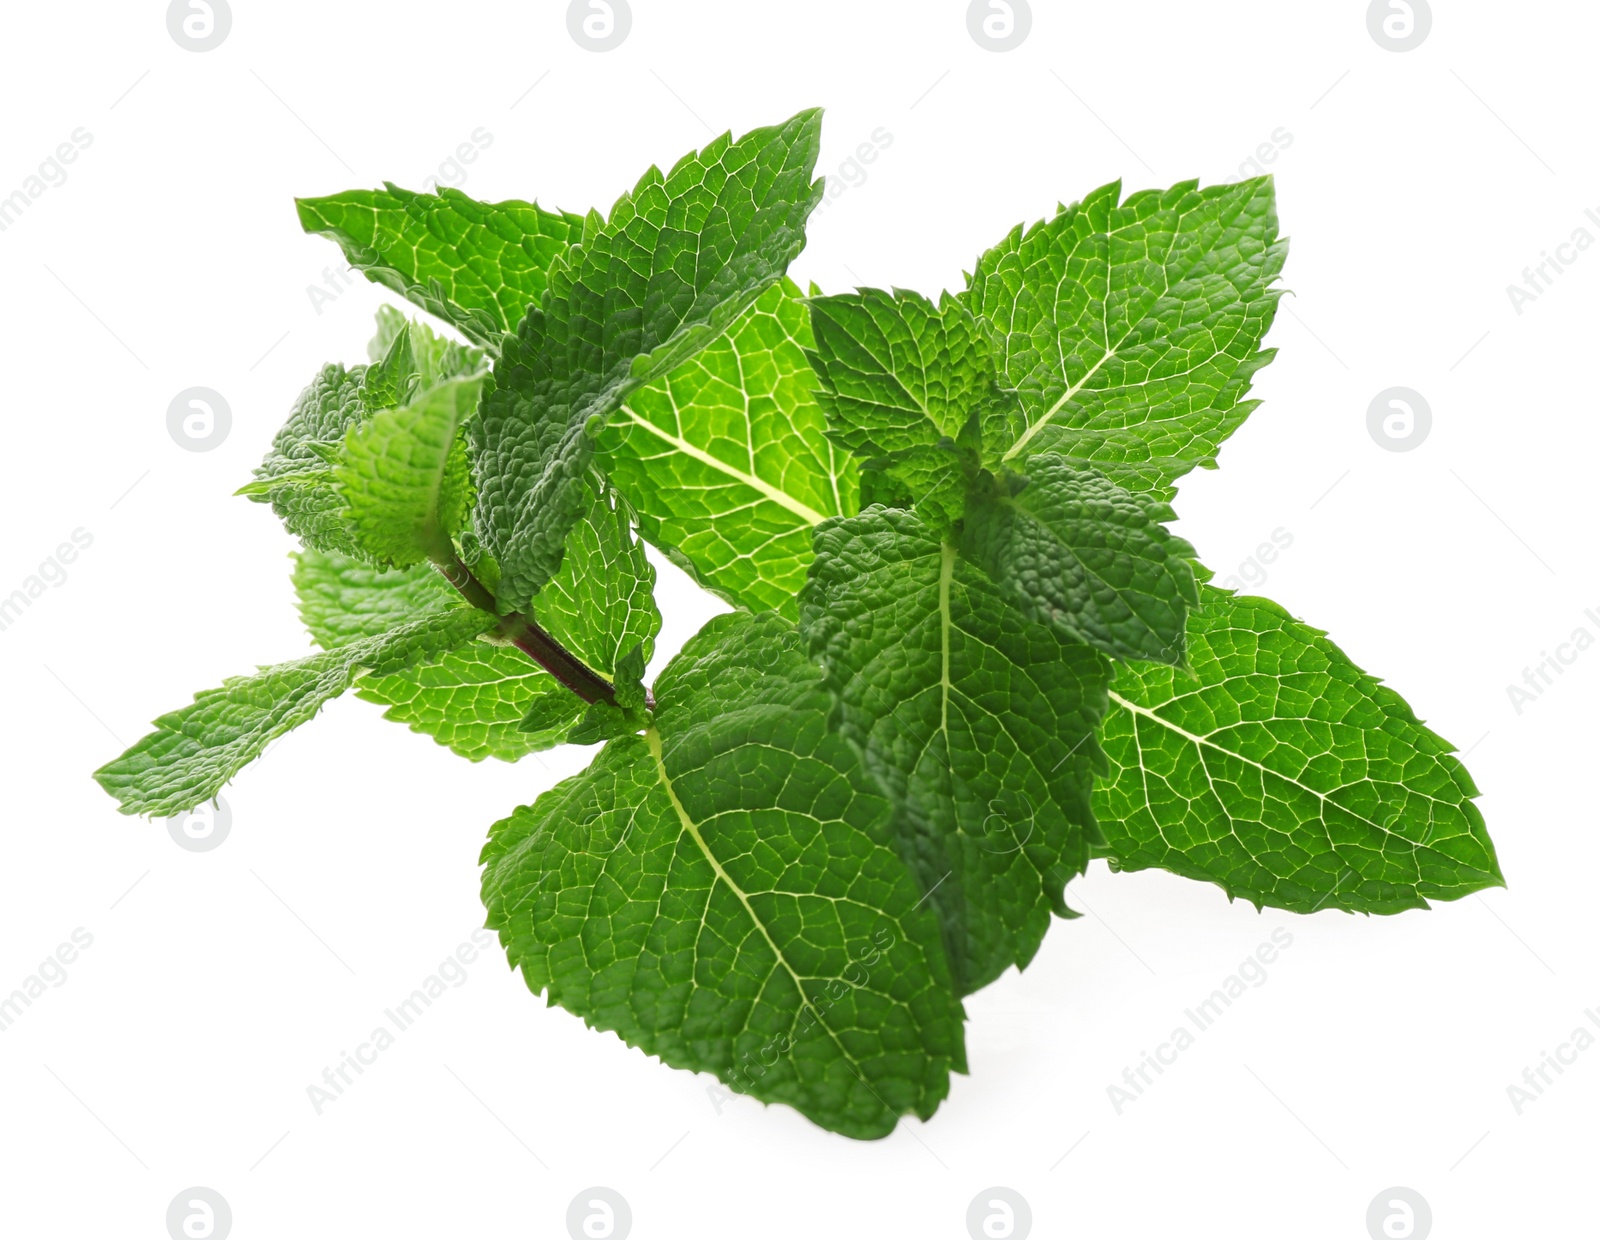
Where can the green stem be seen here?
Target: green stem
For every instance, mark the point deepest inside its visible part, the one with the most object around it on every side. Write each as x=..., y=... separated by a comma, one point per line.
x=526, y=635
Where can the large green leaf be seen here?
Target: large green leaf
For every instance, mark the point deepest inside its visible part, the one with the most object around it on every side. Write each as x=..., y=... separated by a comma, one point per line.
x=1131, y=330
x=195, y=751
x=676, y=262
x=477, y=265
x=722, y=892
x=979, y=721
x=726, y=461
x=1077, y=552
x=1285, y=774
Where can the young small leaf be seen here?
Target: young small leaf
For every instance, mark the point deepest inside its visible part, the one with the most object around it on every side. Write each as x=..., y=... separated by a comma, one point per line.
x=726, y=461
x=1131, y=330
x=477, y=265
x=722, y=893
x=898, y=372
x=300, y=475
x=979, y=721
x=296, y=477
x=676, y=262
x=1285, y=774
x=404, y=476
x=195, y=751
x=1077, y=552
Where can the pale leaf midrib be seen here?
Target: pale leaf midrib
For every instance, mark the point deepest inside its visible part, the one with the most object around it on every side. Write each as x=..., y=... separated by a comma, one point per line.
x=653, y=739
x=780, y=497
x=1207, y=742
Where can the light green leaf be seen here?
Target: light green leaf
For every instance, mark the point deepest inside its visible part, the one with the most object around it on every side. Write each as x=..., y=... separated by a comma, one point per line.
x=1077, y=552
x=897, y=372
x=405, y=478
x=980, y=723
x=475, y=699
x=477, y=265
x=1131, y=331
x=409, y=357
x=296, y=477
x=1285, y=774
x=601, y=604
x=300, y=475
x=723, y=893
x=471, y=699
x=726, y=462
x=676, y=262
x=195, y=751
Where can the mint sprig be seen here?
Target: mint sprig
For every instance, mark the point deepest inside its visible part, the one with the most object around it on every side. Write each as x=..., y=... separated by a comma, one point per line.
x=968, y=657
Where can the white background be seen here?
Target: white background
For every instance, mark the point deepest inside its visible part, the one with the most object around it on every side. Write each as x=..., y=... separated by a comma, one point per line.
x=219, y=985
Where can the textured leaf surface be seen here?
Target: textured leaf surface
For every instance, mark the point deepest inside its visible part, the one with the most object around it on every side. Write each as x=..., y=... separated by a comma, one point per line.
x=726, y=461
x=898, y=372
x=404, y=475
x=300, y=475
x=471, y=699
x=195, y=751
x=474, y=699
x=1285, y=774
x=676, y=262
x=980, y=722
x=1131, y=330
x=477, y=265
x=409, y=357
x=722, y=892
x=601, y=604
x=1077, y=552
x=297, y=477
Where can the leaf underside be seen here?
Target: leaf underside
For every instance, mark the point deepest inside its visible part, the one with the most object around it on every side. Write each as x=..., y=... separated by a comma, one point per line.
x=476, y=265
x=195, y=751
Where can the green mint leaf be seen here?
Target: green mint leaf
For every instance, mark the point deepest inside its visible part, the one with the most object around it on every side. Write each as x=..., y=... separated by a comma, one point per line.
x=934, y=480
x=980, y=723
x=1078, y=553
x=601, y=604
x=1131, y=330
x=476, y=699
x=676, y=262
x=1285, y=774
x=726, y=461
x=405, y=478
x=407, y=357
x=485, y=700
x=897, y=372
x=472, y=699
x=603, y=722
x=195, y=751
x=296, y=477
x=476, y=265
x=723, y=893
x=300, y=475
